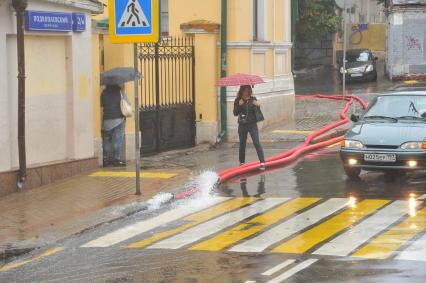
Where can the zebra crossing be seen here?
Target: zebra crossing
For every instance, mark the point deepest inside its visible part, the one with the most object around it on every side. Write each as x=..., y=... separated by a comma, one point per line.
x=369, y=228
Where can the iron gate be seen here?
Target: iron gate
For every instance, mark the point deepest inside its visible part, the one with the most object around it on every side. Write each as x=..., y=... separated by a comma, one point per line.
x=167, y=114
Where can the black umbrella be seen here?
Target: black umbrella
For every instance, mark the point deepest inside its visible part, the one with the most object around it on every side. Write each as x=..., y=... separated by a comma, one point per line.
x=119, y=76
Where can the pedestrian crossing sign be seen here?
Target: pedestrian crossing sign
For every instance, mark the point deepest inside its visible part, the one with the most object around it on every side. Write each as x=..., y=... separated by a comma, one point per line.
x=133, y=21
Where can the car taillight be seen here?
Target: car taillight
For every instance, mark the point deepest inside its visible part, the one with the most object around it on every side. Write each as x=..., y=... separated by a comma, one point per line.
x=423, y=145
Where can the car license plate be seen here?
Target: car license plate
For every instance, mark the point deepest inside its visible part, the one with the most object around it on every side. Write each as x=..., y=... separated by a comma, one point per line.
x=380, y=157
x=356, y=75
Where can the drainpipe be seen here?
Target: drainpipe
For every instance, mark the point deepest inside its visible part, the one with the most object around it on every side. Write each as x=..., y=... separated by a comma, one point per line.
x=294, y=16
x=223, y=68
x=20, y=6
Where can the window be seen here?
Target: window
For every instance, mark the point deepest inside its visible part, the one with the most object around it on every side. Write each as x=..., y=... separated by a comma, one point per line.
x=259, y=20
x=164, y=19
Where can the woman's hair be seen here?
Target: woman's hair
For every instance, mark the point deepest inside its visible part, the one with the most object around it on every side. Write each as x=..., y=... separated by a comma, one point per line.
x=242, y=89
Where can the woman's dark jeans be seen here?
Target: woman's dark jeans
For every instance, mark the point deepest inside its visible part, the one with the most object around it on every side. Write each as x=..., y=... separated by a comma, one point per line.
x=243, y=131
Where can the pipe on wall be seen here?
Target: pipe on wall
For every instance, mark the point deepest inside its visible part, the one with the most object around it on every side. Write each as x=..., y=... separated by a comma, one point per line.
x=223, y=69
x=20, y=6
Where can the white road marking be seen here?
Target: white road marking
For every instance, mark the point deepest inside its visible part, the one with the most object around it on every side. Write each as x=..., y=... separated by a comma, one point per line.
x=293, y=271
x=416, y=251
x=130, y=231
x=215, y=225
x=280, y=266
x=349, y=241
x=291, y=226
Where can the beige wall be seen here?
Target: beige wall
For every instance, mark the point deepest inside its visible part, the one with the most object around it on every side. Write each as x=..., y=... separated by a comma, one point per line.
x=59, y=119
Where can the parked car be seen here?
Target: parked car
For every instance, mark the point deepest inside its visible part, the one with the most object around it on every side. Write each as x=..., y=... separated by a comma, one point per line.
x=360, y=66
x=390, y=136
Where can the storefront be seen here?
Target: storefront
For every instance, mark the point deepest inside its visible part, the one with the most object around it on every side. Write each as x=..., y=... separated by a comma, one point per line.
x=59, y=82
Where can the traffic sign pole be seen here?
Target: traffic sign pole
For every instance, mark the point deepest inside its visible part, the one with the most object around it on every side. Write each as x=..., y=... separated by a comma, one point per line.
x=345, y=14
x=137, y=128
x=134, y=21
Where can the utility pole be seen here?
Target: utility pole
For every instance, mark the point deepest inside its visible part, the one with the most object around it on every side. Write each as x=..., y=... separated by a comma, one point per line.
x=345, y=14
x=20, y=6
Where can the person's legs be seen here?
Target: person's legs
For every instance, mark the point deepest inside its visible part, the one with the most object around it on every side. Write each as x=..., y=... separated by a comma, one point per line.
x=106, y=146
x=118, y=140
x=254, y=133
x=242, y=134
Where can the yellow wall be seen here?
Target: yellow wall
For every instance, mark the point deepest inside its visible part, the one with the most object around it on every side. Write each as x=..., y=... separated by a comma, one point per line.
x=238, y=60
x=183, y=11
x=373, y=38
x=241, y=59
x=205, y=86
x=279, y=20
x=239, y=20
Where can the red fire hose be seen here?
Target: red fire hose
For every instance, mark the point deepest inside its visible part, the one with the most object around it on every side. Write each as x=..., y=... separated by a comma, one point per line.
x=294, y=153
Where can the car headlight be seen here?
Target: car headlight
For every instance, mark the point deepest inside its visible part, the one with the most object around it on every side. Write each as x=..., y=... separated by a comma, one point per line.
x=341, y=70
x=352, y=144
x=414, y=145
x=369, y=68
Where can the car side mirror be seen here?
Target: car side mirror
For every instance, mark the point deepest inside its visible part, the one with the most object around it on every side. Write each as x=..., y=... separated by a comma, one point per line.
x=354, y=118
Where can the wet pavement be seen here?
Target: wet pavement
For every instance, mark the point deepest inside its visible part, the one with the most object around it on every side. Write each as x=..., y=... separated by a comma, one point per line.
x=326, y=81
x=301, y=223
x=304, y=222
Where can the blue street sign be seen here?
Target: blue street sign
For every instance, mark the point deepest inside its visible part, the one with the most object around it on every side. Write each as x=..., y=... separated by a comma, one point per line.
x=48, y=21
x=134, y=21
x=79, y=22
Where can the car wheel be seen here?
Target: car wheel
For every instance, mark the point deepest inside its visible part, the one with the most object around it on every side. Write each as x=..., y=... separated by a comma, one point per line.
x=352, y=172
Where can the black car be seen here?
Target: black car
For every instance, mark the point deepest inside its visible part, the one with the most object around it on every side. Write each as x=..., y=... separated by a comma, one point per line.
x=360, y=66
x=390, y=136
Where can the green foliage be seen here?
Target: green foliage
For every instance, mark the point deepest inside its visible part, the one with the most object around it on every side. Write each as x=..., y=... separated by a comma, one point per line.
x=317, y=18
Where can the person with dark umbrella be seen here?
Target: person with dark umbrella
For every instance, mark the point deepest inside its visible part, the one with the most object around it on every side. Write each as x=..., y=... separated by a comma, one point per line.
x=113, y=126
x=114, y=119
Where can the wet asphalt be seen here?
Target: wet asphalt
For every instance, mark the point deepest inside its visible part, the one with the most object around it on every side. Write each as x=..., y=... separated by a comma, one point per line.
x=316, y=175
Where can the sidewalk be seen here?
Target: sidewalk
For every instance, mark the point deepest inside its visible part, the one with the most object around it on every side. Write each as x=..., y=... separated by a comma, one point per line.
x=311, y=115
x=33, y=218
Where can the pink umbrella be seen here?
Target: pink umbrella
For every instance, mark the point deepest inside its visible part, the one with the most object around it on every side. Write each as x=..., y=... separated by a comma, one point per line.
x=240, y=79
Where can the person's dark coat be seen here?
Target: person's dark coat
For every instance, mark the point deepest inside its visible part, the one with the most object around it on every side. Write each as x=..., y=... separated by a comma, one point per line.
x=247, y=110
x=110, y=101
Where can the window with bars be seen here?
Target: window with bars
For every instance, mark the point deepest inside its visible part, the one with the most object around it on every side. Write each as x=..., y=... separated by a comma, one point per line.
x=259, y=20
x=164, y=17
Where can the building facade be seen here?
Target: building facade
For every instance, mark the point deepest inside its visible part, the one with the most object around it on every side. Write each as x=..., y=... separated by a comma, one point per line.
x=258, y=42
x=59, y=80
x=406, y=44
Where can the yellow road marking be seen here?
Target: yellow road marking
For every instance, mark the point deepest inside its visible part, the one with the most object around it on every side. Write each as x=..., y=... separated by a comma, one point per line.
x=291, y=132
x=385, y=244
x=196, y=219
x=146, y=175
x=410, y=82
x=17, y=264
x=254, y=225
x=324, y=231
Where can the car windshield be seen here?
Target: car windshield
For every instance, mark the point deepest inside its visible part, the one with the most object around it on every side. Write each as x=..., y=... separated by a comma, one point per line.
x=357, y=57
x=398, y=106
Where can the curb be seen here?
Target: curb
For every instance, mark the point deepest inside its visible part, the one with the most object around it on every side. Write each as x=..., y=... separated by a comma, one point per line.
x=9, y=253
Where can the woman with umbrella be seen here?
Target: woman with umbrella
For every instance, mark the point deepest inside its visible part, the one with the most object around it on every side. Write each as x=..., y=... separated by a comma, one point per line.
x=116, y=107
x=247, y=108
